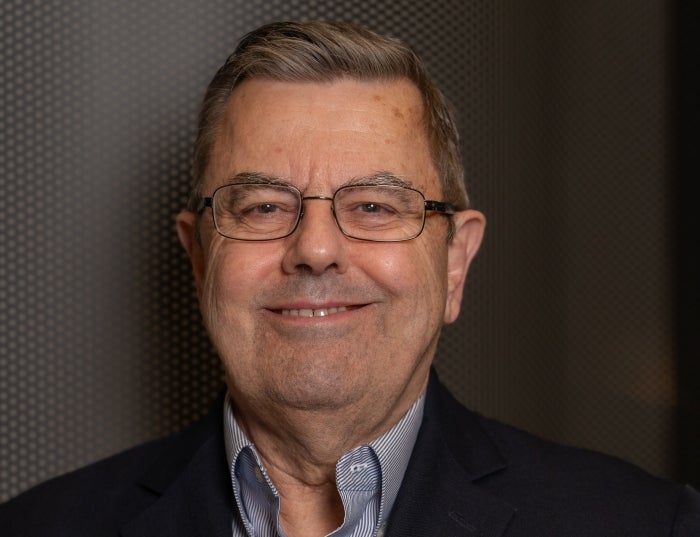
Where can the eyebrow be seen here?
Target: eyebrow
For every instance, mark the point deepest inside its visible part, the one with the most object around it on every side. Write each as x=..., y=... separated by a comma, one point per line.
x=258, y=178
x=382, y=178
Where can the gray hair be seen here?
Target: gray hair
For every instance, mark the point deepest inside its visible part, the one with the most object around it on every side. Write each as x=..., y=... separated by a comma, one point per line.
x=322, y=51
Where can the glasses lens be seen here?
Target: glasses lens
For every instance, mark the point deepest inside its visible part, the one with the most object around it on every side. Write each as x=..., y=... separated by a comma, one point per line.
x=256, y=212
x=380, y=213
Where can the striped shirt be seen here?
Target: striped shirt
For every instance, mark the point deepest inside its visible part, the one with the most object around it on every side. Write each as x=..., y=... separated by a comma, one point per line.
x=368, y=479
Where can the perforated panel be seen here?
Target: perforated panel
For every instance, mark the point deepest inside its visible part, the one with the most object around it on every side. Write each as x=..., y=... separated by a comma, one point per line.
x=570, y=332
x=565, y=327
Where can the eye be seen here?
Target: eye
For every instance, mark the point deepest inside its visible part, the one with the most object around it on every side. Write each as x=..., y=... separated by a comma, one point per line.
x=263, y=208
x=372, y=207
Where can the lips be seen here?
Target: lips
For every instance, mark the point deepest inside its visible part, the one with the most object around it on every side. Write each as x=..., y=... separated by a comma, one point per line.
x=320, y=312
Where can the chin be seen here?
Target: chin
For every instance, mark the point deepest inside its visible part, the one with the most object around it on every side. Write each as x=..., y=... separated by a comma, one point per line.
x=315, y=393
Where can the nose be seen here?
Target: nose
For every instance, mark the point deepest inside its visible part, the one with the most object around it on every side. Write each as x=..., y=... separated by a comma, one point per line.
x=317, y=245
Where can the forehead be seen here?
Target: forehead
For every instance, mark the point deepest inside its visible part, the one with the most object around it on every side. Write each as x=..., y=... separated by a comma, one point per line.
x=323, y=133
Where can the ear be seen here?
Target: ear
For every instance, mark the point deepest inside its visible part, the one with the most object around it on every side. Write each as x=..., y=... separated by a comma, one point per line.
x=186, y=222
x=469, y=230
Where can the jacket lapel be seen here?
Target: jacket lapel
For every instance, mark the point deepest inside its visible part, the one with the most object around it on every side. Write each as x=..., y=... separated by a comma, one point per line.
x=438, y=495
x=195, y=494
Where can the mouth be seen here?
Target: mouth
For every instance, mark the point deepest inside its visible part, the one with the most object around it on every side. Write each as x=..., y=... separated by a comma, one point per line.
x=316, y=312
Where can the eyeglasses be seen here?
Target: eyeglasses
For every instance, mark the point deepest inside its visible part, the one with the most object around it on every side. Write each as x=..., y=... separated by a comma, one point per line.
x=265, y=212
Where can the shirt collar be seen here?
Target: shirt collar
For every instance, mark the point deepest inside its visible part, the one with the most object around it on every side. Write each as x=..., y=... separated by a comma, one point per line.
x=391, y=451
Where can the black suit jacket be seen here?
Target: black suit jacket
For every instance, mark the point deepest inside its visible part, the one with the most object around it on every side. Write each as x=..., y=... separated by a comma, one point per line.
x=468, y=476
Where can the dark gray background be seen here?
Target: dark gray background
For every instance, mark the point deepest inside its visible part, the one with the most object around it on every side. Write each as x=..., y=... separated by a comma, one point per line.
x=567, y=326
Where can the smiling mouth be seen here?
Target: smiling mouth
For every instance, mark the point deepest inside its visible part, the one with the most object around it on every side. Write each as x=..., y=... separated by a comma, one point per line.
x=320, y=312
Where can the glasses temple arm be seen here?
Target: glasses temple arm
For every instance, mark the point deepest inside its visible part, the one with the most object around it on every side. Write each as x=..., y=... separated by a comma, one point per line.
x=440, y=207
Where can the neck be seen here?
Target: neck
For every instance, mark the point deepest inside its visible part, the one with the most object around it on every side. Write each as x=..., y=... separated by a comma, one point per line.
x=307, y=508
x=300, y=454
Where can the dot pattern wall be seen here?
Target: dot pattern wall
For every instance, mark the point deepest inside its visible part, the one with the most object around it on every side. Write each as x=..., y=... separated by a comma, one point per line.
x=566, y=323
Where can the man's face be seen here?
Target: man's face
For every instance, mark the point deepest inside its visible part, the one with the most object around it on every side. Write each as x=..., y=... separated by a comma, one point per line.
x=384, y=302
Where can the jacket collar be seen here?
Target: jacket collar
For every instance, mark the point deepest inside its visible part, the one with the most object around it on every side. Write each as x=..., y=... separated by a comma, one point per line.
x=440, y=494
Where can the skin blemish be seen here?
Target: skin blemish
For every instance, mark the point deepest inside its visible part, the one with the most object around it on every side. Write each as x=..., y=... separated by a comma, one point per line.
x=397, y=113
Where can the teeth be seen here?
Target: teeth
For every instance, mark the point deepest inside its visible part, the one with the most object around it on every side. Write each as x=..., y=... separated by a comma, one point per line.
x=322, y=312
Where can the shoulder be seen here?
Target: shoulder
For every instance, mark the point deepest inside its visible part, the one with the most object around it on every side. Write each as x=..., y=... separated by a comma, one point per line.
x=98, y=499
x=581, y=487
x=568, y=490
x=540, y=460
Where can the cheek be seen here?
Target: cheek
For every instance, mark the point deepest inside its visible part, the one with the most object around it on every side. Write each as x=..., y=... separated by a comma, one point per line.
x=231, y=279
x=431, y=271
x=413, y=272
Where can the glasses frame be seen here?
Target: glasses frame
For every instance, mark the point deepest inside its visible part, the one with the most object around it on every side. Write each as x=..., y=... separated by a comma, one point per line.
x=441, y=207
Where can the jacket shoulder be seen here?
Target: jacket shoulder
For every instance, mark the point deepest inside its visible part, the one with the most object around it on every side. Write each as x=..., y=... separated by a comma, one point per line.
x=557, y=489
x=581, y=488
x=98, y=499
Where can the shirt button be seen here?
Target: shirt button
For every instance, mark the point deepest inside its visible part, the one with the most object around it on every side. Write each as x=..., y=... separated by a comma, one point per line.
x=380, y=532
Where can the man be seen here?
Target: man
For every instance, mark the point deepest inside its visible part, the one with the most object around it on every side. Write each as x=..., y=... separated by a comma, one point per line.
x=330, y=235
